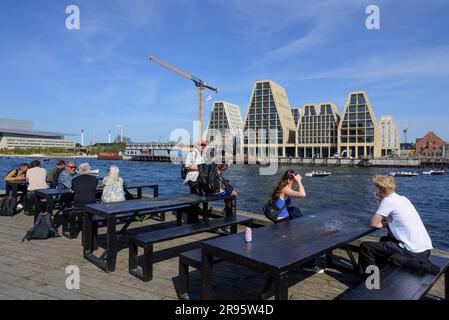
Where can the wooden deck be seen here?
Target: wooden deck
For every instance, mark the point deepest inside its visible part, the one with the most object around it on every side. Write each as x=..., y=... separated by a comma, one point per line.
x=36, y=270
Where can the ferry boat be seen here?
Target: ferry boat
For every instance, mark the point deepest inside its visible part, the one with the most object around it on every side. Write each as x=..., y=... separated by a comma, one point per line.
x=433, y=172
x=318, y=174
x=403, y=174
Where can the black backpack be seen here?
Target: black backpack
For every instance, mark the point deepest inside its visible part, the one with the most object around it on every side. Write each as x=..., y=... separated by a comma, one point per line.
x=42, y=229
x=271, y=211
x=183, y=171
x=208, y=178
x=8, y=206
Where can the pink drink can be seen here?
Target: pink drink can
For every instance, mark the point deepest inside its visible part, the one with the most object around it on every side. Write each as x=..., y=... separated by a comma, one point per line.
x=248, y=234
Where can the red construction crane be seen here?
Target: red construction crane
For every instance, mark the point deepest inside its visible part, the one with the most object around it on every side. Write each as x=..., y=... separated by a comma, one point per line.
x=200, y=84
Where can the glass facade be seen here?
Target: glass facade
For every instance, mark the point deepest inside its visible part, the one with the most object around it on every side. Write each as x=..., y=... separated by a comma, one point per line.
x=358, y=128
x=262, y=114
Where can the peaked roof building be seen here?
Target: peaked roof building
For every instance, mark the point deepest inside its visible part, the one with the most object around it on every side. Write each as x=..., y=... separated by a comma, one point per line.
x=269, y=128
x=359, y=134
x=318, y=130
x=225, y=122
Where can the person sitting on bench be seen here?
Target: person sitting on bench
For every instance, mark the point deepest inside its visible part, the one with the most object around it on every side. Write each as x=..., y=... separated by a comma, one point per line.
x=37, y=179
x=113, y=186
x=408, y=237
x=226, y=189
x=84, y=187
x=17, y=175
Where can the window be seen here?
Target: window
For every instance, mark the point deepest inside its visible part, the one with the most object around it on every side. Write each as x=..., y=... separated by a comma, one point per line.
x=352, y=109
x=361, y=98
x=361, y=108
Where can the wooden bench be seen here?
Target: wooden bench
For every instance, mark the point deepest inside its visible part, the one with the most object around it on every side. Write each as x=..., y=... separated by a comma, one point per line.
x=398, y=283
x=70, y=229
x=190, y=258
x=147, y=239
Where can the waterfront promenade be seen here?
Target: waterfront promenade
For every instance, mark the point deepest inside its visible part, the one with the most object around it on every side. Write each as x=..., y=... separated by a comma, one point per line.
x=36, y=270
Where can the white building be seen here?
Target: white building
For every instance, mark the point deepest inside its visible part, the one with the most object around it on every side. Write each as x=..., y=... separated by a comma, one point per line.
x=389, y=133
x=226, y=121
x=20, y=134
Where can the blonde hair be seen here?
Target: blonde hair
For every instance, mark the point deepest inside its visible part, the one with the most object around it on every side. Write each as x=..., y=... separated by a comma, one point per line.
x=385, y=184
x=113, y=174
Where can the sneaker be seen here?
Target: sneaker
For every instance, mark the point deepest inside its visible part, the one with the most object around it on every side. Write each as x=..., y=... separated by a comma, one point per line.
x=222, y=230
x=315, y=269
x=19, y=207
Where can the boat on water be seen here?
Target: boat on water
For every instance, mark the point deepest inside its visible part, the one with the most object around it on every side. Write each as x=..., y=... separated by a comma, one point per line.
x=433, y=172
x=46, y=159
x=403, y=174
x=318, y=174
x=94, y=172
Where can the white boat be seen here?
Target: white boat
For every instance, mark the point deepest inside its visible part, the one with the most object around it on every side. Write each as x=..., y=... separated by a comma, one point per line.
x=403, y=174
x=433, y=172
x=318, y=174
x=94, y=172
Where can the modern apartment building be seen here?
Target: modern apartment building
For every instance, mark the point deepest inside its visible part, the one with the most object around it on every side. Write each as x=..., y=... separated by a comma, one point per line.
x=318, y=131
x=389, y=136
x=359, y=134
x=269, y=127
x=296, y=115
x=226, y=121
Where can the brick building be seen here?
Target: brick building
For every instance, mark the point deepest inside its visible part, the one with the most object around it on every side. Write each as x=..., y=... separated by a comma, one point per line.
x=430, y=146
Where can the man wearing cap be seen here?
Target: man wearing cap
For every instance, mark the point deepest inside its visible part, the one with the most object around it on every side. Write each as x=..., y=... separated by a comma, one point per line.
x=194, y=158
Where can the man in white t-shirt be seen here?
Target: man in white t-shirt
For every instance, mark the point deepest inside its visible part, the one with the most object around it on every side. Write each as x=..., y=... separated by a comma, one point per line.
x=193, y=159
x=408, y=236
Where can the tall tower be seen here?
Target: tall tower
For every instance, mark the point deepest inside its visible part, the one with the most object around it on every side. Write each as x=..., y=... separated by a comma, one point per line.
x=82, y=137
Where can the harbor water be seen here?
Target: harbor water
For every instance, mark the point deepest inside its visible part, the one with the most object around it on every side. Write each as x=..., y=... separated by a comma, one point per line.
x=348, y=189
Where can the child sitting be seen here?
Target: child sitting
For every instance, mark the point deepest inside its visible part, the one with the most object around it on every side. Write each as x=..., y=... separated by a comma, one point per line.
x=226, y=189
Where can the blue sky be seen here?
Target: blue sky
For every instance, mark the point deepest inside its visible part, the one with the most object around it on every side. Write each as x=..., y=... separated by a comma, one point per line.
x=99, y=76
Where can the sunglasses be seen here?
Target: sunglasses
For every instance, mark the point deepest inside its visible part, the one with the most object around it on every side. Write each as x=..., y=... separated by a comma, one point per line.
x=72, y=167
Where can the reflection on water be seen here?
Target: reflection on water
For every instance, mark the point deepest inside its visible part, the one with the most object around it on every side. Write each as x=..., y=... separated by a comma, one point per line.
x=347, y=190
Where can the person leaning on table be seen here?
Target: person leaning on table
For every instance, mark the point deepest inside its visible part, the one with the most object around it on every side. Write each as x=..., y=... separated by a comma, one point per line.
x=408, y=237
x=17, y=175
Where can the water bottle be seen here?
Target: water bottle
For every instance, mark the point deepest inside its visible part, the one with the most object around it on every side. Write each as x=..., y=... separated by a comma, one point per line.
x=248, y=234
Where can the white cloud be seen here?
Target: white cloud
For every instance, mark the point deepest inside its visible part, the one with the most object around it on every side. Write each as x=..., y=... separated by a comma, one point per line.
x=398, y=66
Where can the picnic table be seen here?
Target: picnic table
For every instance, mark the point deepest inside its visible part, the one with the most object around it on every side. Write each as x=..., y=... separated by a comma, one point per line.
x=112, y=211
x=278, y=248
x=50, y=195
